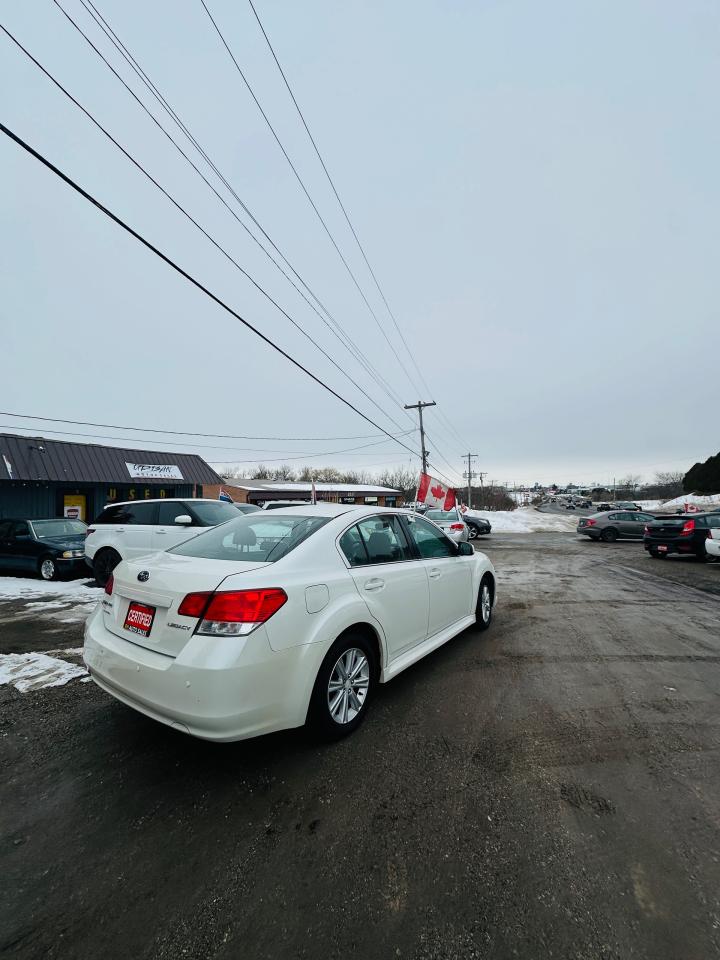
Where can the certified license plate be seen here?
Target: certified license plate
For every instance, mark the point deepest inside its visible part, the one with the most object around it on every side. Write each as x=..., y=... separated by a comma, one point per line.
x=139, y=618
x=662, y=548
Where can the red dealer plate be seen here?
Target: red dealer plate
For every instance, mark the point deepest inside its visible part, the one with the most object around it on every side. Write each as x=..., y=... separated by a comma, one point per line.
x=662, y=548
x=139, y=619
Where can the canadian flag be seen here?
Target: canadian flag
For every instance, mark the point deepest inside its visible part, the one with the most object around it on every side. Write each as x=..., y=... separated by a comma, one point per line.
x=434, y=493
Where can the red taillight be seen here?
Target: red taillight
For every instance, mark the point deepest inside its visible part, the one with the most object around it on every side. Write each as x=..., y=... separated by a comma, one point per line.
x=109, y=585
x=88, y=532
x=456, y=526
x=194, y=604
x=590, y=523
x=688, y=528
x=234, y=606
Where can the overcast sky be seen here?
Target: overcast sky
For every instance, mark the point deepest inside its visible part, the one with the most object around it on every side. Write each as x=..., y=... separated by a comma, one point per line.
x=535, y=184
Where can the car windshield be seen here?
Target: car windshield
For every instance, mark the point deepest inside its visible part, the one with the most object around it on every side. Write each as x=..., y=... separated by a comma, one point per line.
x=252, y=539
x=48, y=529
x=211, y=513
x=442, y=515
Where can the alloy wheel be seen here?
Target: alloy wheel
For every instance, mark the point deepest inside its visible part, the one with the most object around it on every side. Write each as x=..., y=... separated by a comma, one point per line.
x=485, y=603
x=348, y=685
x=47, y=569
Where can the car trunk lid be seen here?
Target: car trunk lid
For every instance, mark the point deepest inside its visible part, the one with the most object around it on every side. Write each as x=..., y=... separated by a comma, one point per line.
x=144, y=609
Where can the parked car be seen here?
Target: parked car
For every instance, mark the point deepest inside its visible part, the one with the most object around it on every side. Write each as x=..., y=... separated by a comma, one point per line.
x=615, y=525
x=602, y=507
x=452, y=522
x=281, y=504
x=48, y=548
x=270, y=621
x=131, y=529
x=683, y=535
x=477, y=526
x=246, y=507
x=712, y=544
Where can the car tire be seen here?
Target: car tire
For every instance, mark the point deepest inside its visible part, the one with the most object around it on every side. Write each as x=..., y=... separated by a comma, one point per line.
x=609, y=535
x=473, y=532
x=47, y=569
x=104, y=563
x=330, y=700
x=483, y=607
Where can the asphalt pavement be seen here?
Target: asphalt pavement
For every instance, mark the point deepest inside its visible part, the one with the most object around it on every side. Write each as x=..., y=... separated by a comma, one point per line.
x=550, y=788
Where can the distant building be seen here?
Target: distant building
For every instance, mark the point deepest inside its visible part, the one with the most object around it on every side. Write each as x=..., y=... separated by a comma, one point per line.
x=54, y=478
x=262, y=491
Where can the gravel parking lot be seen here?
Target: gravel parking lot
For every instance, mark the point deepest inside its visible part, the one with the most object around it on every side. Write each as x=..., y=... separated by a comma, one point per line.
x=550, y=788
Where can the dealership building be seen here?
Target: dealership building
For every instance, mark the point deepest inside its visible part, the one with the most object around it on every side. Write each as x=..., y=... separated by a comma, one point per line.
x=260, y=492
x=54, y=478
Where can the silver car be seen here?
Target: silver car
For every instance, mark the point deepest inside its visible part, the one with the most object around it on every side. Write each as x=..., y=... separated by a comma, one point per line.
x=451, y=522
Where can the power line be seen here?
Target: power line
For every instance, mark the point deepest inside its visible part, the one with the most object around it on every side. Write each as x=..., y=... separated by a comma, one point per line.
x=205, y=446
x=337, y=195
x=305, y=190
x=180, y=433
x=348, y=342
x=330, y=180
x=179, y=207
x=196, y=283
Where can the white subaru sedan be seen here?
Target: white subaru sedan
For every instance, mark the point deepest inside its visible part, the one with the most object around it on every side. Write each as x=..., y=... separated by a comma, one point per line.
x=273, y=620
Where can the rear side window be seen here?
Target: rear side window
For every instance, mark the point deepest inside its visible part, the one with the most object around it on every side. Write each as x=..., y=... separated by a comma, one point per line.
x=5, y=529
x=130, y=513
x=384, y=540
x=254, y=538
x=353, y=548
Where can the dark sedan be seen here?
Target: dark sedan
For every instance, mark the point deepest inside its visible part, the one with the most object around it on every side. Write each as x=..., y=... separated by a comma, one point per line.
x=477, y=526
x=684, y=535
x=47, y=548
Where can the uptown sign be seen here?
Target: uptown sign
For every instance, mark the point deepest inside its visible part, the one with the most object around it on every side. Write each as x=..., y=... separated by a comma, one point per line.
x=154, y=471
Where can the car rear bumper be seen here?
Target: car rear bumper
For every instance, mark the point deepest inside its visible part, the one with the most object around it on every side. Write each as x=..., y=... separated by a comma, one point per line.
x=685, y=547
x=243, y=689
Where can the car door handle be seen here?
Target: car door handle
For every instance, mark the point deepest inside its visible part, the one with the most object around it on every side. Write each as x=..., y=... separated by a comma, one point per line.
x=375, y=584
x=120, y=530
x=161, y=531
x=435, y=574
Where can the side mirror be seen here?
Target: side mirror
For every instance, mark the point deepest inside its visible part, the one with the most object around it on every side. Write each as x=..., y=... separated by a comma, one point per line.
x=184, y=518
x=465, y=550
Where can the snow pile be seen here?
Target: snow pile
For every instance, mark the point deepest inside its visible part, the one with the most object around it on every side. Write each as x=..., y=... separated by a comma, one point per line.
x=525, y=520
x=19, y=588
x=33, y=671
x=709, y=503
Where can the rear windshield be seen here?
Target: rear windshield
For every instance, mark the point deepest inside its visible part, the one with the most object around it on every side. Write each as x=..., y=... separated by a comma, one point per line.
x=210, y=514
x=46, y=529
x=252, y=539
x=442, y=515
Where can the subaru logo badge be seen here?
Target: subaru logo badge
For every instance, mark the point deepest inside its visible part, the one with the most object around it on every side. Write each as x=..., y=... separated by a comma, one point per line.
x=143, y=576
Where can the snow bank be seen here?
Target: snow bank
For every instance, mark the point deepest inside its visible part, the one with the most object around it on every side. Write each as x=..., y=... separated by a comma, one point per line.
x=709, y=502
x=33, y=671
x=525, y=520
x=19, y=588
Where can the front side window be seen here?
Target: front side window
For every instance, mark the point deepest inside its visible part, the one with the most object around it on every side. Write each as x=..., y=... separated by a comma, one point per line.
x=170, y=509
x=431, y=542
x=46, y=529
x=210, y=514
x=384, y=540
x=254, y=538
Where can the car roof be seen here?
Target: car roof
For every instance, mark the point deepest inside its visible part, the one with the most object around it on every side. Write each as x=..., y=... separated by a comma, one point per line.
x=337, y=510
x=191, y=500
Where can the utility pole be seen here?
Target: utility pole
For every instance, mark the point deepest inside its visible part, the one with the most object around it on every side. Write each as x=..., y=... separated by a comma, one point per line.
x=419, y=407
x=482, y=491
x=469, y=475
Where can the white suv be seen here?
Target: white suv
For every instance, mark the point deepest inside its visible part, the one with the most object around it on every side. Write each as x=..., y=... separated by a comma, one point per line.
x=125, y=531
